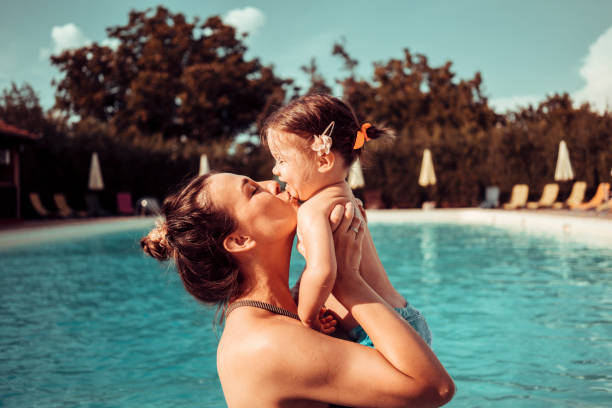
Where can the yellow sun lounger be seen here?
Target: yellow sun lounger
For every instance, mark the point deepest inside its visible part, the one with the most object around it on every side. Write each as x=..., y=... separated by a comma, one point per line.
x=38, y=206
x=607, y=206
x=518, y=199
x=549, y=196
x=600, y=196
x=575, y=198
x=64, y=210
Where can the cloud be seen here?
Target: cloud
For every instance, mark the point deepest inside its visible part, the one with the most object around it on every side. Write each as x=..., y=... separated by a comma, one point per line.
x=512, y=103
x=66, y=37
x=246, y=20
x=112, y=43
x=63, y=38
x=597, y=72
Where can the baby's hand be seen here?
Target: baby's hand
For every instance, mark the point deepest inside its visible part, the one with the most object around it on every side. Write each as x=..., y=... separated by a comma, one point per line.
x=327, y=322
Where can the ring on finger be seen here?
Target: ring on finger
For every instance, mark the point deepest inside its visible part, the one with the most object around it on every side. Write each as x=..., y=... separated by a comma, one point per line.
x=355, y=229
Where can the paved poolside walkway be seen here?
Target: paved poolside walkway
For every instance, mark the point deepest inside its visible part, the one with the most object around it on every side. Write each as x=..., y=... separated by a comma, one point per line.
x=589, y=228
x=32, y=232
x=13, y=225
x=584, y=226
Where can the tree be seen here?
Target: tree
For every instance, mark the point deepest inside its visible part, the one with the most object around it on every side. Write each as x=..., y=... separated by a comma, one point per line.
x=427, y=108
x=168, y=76
x=20, y=106
x=317, y=82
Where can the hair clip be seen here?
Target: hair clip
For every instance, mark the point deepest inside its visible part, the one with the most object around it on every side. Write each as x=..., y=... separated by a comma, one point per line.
x=323, y=142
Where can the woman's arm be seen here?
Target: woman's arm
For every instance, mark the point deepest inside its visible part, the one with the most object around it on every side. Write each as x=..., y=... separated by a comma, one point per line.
x=402, y=371
x=392, y=336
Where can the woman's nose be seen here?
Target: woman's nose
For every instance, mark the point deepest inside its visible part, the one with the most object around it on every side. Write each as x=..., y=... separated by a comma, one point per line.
x=271, y=186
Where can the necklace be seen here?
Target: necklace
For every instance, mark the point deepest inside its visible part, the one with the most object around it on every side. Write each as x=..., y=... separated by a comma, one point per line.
x=260, y=305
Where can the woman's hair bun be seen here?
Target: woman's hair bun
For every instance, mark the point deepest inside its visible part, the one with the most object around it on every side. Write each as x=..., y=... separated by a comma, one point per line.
x=156, y=244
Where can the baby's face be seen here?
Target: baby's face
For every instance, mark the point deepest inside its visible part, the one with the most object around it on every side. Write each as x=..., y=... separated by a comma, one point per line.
x=295, y=164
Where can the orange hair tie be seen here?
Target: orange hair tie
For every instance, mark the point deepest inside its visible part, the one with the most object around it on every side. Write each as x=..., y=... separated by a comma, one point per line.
x=362, y=136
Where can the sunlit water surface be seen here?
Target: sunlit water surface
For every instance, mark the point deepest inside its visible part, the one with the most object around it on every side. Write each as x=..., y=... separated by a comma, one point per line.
x=518, y=320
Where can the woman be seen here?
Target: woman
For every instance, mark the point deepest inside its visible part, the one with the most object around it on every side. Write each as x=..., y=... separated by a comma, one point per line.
x=231, y=240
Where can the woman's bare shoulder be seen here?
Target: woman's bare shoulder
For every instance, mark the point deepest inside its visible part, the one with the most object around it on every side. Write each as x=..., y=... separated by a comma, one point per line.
x=262, y=356
x=253, y=334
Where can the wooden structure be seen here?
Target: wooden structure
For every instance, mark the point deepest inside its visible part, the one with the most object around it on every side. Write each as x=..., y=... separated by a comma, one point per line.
x=12, y=140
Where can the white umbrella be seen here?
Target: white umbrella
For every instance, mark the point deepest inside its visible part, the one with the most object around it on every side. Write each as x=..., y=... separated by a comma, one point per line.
x=95, y=174
x=563, y=170
x=204, y=166
x=428, y=175
x=355, y=178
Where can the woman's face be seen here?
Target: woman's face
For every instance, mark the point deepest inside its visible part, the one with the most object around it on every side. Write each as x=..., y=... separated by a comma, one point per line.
x=260, y=209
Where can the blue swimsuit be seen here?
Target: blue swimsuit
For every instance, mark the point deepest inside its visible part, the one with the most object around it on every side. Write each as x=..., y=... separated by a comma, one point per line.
x=410, y=314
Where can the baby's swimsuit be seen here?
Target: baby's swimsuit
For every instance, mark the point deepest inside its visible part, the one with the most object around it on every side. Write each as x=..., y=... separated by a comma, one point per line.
x=410, y=314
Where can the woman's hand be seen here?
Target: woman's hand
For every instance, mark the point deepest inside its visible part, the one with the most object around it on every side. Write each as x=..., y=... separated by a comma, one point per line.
x=348, y=237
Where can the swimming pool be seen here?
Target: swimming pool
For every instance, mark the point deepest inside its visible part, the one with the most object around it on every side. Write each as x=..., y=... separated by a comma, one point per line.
x=517, y=319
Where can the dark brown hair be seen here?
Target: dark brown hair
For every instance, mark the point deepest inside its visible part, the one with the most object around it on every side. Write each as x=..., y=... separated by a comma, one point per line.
x=311, y=114
x=193, y=235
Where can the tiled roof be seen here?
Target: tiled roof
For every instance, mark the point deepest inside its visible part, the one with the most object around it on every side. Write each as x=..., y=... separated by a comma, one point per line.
x=10, y=130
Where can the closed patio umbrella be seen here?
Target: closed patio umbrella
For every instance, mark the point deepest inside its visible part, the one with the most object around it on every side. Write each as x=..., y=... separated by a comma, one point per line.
x=355, y=178
x=95, y=174
x=428, y=175
x=204, y=166
x=563, y=170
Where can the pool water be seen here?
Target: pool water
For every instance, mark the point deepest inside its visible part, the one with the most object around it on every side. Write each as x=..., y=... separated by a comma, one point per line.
x=517, y=320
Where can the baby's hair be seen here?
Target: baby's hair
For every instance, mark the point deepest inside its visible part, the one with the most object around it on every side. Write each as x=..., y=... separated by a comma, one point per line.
x=310, y=115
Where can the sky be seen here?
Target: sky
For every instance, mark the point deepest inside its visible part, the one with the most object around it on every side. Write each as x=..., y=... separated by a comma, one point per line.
x=524, y=49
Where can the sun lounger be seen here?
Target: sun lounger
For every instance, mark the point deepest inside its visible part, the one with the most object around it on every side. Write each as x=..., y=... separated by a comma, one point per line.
x=549, y=196
x=373, y=199
x=39, y=207
x=64, y=210
x=518, y=199
x=607, y=206
x=148, y=206
x=491, y=198
x=575, y=198
x=124, y=204
x=94, y=209
x=600, y=196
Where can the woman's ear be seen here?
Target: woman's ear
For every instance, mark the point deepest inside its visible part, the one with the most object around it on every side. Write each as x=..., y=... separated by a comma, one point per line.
x=236, y=243
x=326, y=162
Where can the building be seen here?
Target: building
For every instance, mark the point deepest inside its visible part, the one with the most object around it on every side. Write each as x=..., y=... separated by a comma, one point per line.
x=12, y=141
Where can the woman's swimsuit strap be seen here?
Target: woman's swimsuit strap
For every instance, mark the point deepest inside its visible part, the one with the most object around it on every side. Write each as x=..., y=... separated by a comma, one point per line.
x=260, y=305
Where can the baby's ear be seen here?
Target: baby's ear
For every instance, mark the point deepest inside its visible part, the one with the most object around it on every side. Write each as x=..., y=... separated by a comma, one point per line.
x=236, y=243
x=326, y=162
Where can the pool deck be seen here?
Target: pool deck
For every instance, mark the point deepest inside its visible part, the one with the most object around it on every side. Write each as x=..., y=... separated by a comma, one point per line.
x=38, y=231
x=582, y=226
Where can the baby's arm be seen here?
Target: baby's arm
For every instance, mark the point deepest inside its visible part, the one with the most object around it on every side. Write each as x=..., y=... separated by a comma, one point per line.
x=320, y=273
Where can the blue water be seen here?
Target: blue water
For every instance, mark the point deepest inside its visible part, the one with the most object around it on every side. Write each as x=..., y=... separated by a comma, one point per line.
x=517, y=320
